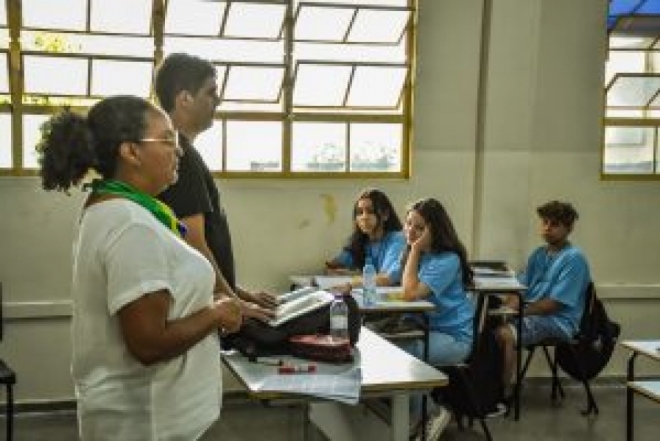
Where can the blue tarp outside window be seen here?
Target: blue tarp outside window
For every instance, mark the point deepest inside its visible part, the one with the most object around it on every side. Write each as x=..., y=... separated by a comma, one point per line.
x=620, y=8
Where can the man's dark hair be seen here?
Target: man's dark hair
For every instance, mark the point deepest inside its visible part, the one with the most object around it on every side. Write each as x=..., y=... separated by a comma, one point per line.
x=180, y=72
x=562, y=212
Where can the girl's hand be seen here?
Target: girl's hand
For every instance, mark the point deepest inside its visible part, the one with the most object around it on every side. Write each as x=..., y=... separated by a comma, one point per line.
x=423, y=242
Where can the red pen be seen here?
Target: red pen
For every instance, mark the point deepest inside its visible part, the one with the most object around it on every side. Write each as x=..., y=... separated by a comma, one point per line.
x=297, y=369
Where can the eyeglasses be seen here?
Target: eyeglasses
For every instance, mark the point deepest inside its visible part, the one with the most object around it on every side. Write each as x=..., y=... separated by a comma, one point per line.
x=174, y=142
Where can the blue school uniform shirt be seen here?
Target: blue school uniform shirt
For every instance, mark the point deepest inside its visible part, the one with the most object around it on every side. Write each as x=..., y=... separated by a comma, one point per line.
x=454, y=313
x=385, y=255
x=563, y=277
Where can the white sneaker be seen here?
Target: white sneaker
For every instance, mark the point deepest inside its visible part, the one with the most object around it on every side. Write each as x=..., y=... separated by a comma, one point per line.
x=500, y=410
x=436, y=425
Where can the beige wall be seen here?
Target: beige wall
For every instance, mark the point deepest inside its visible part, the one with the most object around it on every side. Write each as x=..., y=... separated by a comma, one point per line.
x=538, y=138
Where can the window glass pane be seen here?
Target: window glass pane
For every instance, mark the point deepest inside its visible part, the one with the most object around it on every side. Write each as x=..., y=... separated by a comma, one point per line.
x=227, y=50
x=358, y=2
x=633, y=91
x=110, y=77
x=376, y=147
x=121, y=46
x=318, y=147
x=358, y=53
x=5, y=140
x=376, y=86
x=40, y=78
x=111, y=16
x=306, y=90
x=209, y=145
x=4, y=72
x=254, y=146
x=31, y=136
x=254, y=83
x=624, y=113
x=3, y=14
x=378, y=26
x=68, y=15
x=322, y=23
x=257, y=20
x=629, y=149
x=630, y=42
x=194, y=17
x=4, y=39
x=618, y=62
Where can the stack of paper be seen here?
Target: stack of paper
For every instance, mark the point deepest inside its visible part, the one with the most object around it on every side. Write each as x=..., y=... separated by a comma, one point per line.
x=343, y=387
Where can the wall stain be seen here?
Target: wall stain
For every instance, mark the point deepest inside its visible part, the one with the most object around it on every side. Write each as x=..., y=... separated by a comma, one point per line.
x=304, y=224
x=329, y=207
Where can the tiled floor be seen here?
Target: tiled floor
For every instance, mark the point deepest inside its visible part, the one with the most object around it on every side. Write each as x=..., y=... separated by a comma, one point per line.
x=540, y=421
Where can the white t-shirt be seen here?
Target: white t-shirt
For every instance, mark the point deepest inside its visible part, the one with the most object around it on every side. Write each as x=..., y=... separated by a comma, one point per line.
x=123, y=252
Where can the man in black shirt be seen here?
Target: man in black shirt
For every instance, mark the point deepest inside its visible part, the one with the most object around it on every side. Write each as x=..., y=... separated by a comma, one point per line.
x=187, y=90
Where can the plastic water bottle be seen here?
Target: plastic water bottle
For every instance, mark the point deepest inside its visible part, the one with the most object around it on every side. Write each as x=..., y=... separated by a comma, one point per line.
x=369, y=283
x=339, y=318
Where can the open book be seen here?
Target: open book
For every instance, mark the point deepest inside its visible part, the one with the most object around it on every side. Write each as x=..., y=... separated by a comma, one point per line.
x=299, y=302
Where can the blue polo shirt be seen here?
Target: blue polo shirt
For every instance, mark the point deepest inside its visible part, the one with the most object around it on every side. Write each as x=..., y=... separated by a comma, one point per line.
x=563, y=277
x=385, y=255
x=454, y=313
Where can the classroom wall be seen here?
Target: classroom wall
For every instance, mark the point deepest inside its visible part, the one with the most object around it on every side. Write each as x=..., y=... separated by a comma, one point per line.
x=496, y=134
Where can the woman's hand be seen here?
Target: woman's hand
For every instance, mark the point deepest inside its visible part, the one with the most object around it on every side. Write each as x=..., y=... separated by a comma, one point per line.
x=230, y=314
x=252, y=310
x=263, y=299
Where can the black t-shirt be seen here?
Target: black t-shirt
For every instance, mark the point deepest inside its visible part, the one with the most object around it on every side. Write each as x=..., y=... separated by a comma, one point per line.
x=195, y=193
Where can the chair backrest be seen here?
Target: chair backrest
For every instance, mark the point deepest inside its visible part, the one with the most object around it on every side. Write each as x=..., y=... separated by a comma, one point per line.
x=589, y=301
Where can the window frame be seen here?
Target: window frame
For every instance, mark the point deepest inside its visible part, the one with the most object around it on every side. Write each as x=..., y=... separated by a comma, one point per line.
x=288, y=114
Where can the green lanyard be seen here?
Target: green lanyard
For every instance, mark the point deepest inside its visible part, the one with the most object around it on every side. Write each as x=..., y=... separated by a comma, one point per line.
x=160, y=210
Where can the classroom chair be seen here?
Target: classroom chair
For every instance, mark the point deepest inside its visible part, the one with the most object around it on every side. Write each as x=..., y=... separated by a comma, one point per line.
x=471, y=392
x=571, y=350
x=8, y=378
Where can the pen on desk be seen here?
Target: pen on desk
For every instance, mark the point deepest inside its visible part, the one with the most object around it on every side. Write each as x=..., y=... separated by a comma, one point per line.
x=297, y=369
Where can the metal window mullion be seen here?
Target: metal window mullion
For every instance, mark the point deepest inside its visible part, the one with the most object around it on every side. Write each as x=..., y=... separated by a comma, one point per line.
x=347, y=154
x=88, y=16
x=157, y=28
x=655, y=150
x=350, y=25
x=223, y=22
x=287, y=92
x=15, y=84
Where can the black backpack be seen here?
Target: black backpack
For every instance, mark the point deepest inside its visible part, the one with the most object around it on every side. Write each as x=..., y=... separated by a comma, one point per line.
x=584, y=357
x=258, y=339
x=475, y=388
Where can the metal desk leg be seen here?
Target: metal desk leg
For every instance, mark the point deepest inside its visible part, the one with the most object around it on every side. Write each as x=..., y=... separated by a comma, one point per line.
x=516, y=390
x=427, y=336
x=630, y=397
x=400, y=416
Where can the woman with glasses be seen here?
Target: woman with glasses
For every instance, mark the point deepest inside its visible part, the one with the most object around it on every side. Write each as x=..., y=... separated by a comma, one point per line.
x=146, y=363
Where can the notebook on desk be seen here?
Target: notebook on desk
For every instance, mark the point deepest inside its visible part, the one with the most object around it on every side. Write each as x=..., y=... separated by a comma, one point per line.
x=300, y=302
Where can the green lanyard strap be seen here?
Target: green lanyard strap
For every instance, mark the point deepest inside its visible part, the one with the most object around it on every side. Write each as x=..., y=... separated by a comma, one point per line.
x=161, y=211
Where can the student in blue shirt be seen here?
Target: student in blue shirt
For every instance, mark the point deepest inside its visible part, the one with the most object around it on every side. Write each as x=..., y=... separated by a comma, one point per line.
x=435, y=268
x=376, y=236
x=557, y=276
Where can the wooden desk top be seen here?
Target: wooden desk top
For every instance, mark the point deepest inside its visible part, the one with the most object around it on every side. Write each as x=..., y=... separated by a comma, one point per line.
x=497, y=284
x=385, y=368
x=392, y=305
x=649, y=348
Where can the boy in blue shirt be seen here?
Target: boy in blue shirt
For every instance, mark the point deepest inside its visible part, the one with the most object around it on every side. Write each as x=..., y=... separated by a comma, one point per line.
x=557, y=276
